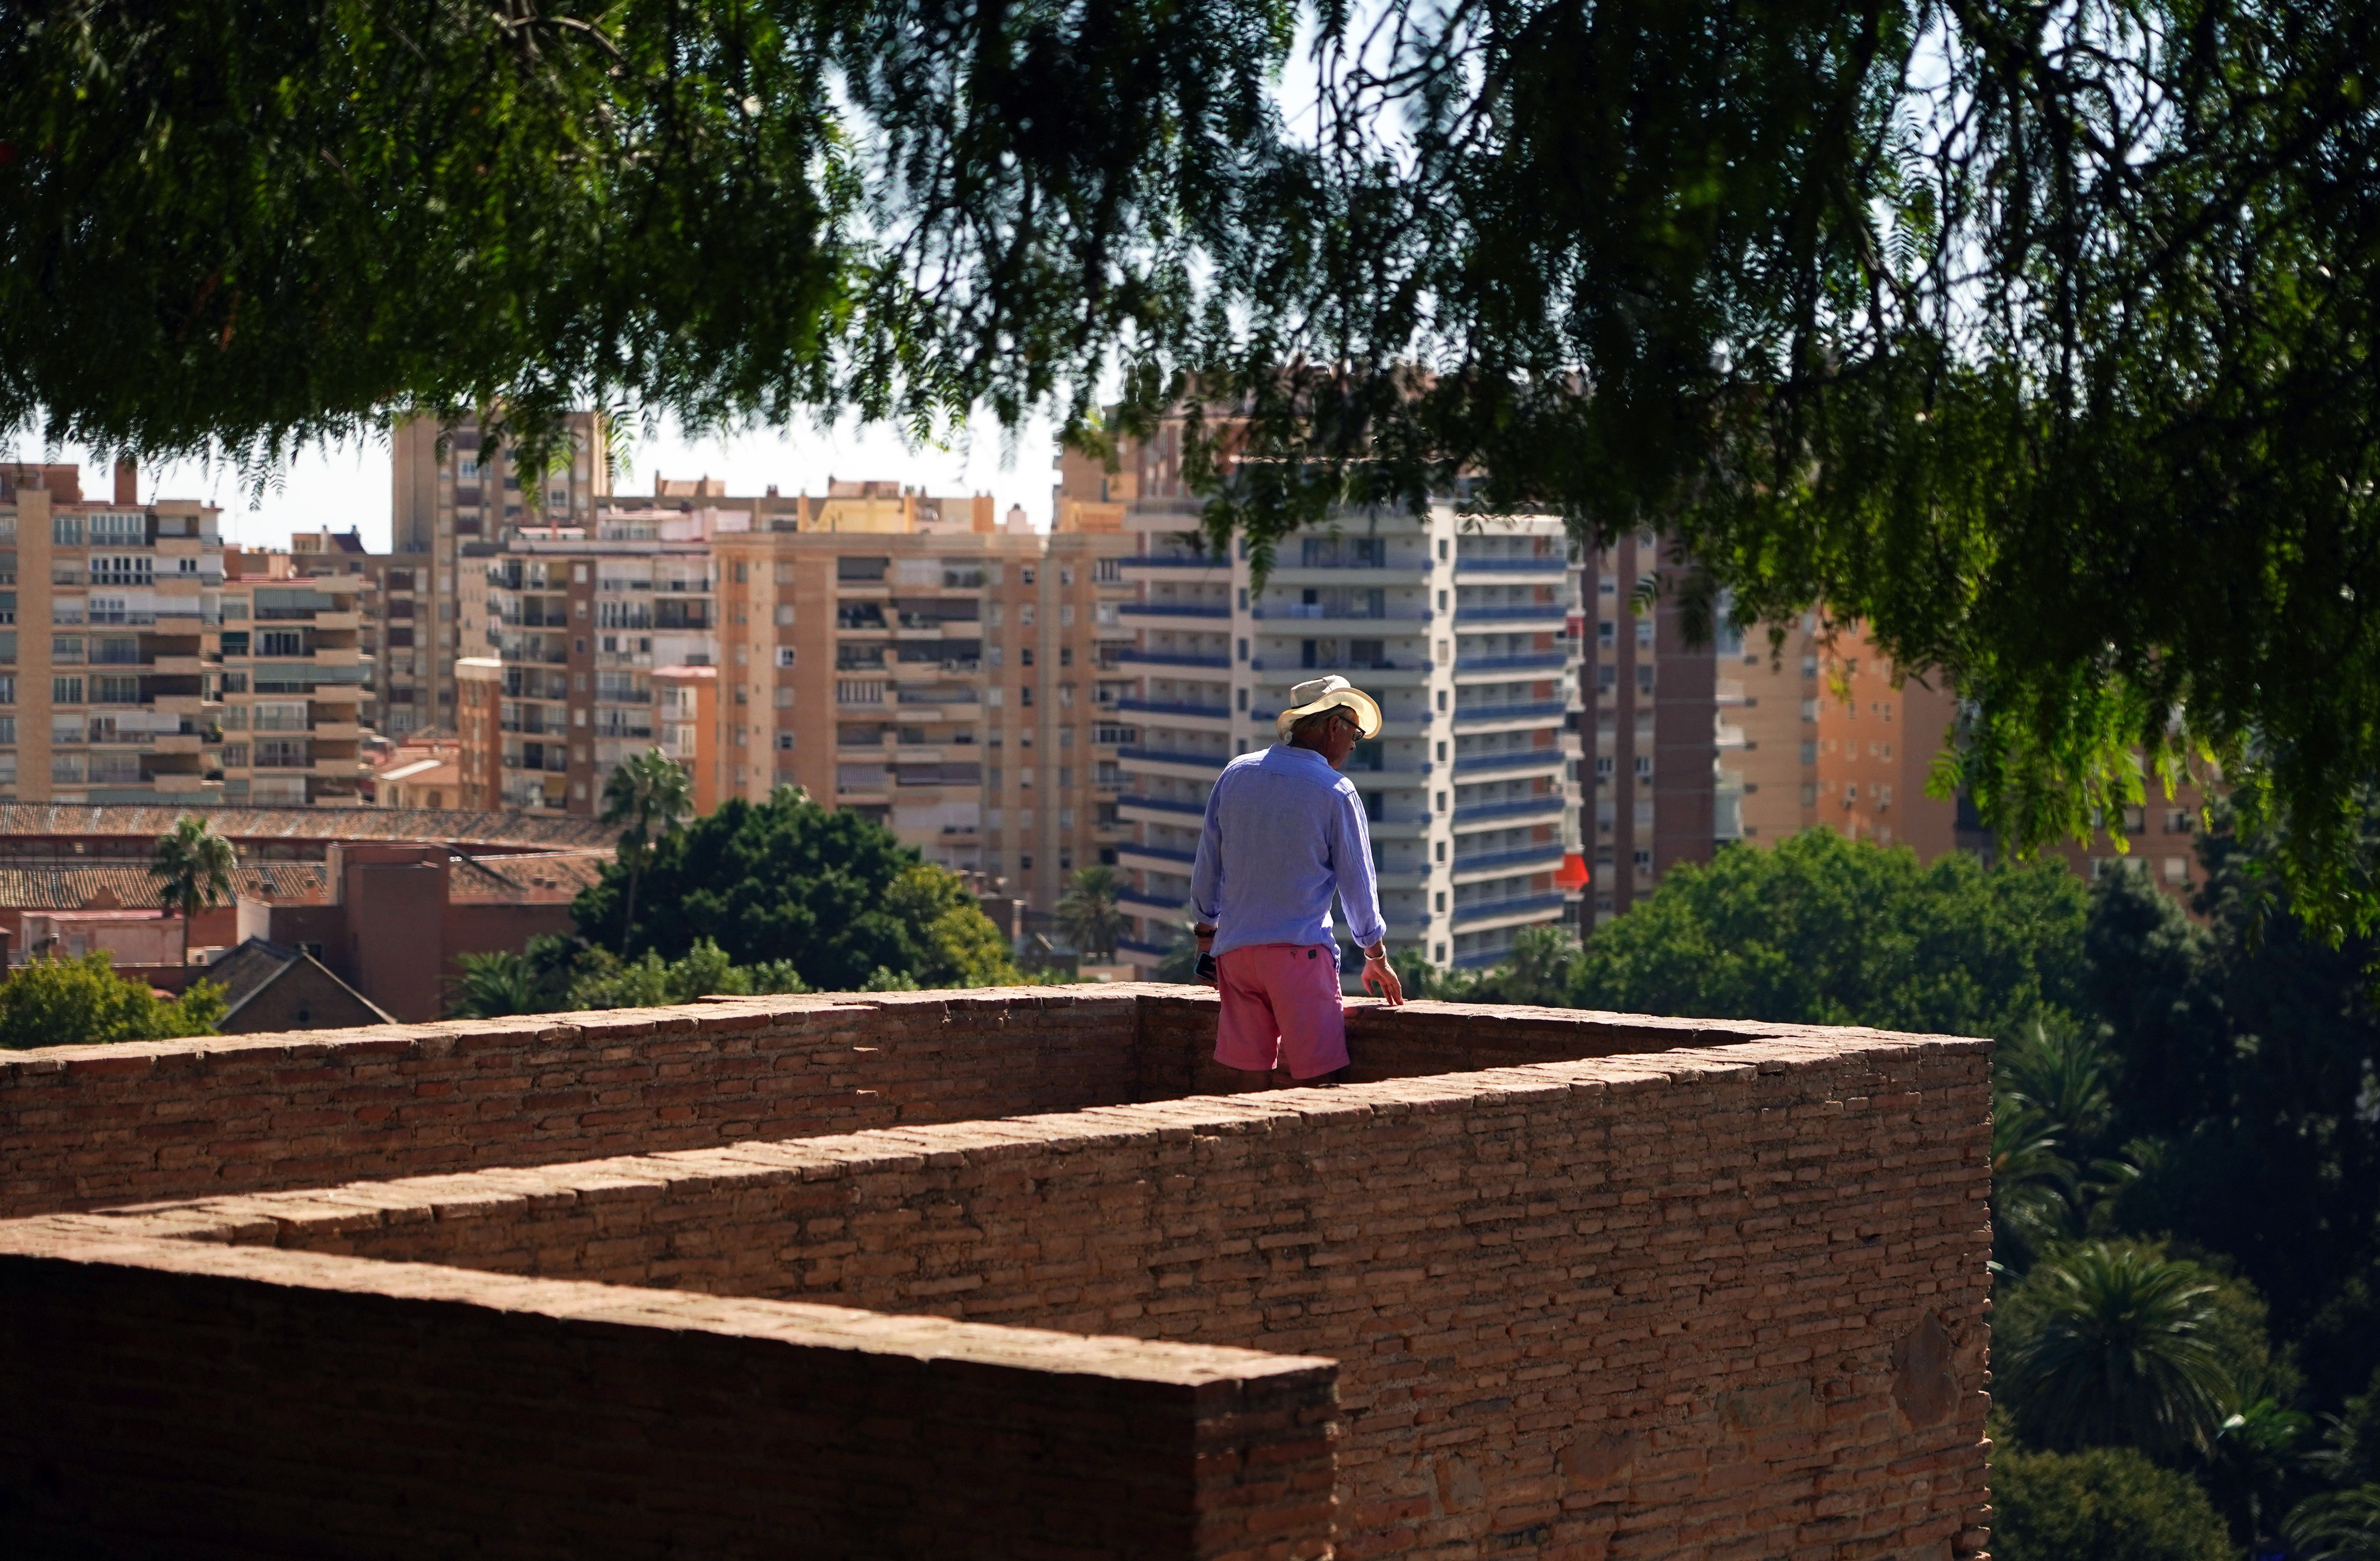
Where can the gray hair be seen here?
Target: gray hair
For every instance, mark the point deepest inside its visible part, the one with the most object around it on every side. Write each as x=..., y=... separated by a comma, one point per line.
x=1308, y=725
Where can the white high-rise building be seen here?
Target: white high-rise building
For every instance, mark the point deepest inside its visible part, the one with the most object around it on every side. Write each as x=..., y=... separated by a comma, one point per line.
x=1459, y=626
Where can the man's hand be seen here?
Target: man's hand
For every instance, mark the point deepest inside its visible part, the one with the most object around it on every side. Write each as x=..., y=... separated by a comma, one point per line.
x=1382, y=977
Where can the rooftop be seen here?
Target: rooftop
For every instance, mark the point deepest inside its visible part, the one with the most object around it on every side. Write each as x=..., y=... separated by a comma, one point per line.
x=149, y=821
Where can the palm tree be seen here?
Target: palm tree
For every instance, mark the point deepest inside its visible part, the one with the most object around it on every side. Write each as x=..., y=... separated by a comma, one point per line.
x=648, y=790
x=2032, y=1183
x=2336, y=1526
x=1087, y=911
x=2063, y=1070
x=193, y=867
x=494, y=985
x=2121, y=1356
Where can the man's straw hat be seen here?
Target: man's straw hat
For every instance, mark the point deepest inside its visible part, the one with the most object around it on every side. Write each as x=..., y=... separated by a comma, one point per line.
x=1319, y=694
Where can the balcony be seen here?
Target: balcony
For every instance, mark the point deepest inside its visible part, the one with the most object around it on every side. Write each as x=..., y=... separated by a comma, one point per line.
x=1505, y=568
x=1531, y=613
x=1161, y=809
x=1493, y=865
x=1401, y=673
x=1324, y=612
x=1213, y=713
x=1541, y=660
x=1551, y=805
x=1174, y=610
x=1167, y=658
x=1171, y=563
x=1180, y=766
x=1156, y=859
x=1534, y=759
x=1485, y=717
x=1508, y=912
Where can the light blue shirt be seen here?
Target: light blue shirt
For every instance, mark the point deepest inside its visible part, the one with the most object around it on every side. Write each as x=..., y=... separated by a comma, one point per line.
x=1283, y=830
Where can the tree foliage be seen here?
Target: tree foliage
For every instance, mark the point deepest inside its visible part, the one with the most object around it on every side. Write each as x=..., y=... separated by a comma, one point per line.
x=830, y=892
x=192, y=866
x=557, y=974
x=2107, y=1503
x=2034, y=337
x=1088, y=912
x=1828, y=931
x=82, y=1001
x=2117, y=1346
x=646, y=792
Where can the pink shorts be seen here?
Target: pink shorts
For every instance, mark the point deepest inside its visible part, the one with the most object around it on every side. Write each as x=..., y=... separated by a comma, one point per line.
x=1280, y=1003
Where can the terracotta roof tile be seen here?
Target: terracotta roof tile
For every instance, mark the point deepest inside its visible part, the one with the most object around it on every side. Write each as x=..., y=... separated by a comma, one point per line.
x=552, y=830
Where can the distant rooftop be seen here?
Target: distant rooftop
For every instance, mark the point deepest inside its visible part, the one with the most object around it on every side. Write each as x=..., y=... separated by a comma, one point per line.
x=546, y=831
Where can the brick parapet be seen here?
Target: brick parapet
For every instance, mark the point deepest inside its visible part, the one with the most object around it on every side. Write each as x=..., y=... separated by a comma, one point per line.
x=1710, y=1300
x=171, y=1398
x=87, y=1126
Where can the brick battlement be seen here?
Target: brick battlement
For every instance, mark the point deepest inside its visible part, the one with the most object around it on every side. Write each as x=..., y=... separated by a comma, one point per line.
x=1545, y=1284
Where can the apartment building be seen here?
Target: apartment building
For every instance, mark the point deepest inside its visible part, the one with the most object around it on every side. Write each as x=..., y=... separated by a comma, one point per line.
x=568, y=625
x=888, y=650
x=291, y=674
x=1748, y=737
x=1458, y=628
x=108, y=612
x=454, y=488
x=946, y=681
x=326, y=552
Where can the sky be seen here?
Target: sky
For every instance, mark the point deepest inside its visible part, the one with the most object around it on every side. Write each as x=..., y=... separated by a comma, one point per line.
x=349, y=486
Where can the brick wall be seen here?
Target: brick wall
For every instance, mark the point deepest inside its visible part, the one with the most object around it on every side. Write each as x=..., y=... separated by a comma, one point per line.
x=82, y=1126
x=1726, y=1300
x=1175, y=1043
x=163, y=1398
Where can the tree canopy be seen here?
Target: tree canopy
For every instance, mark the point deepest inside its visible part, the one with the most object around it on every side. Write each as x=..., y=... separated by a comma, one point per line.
x=82, y=1002
x=2034, y=337
x=831, y=893
x=1828, y=931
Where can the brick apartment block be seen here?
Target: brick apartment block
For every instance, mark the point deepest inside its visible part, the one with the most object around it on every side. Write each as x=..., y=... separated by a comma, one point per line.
x=985, y=1273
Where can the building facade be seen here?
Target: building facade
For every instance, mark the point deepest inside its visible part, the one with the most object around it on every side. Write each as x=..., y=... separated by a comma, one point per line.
x=108, y=619
x=452, y=488
x=291, y=676
x=1460, y=627
x=883, y=649
x=326, y=553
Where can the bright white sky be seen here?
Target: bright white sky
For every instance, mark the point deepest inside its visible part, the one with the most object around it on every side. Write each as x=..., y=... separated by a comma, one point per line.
x=349, y=486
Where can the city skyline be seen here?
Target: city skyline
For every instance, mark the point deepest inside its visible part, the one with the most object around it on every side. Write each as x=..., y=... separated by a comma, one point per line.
x=350, y=484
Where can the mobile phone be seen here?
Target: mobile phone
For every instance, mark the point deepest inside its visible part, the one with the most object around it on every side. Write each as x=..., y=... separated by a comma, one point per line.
x=1205, y=969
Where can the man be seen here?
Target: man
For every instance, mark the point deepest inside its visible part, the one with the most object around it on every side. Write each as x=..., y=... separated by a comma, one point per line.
x=1283, y=831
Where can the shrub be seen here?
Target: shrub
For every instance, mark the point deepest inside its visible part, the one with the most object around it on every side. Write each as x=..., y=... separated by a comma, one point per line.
x=2109, y=1504
x=79, y=1002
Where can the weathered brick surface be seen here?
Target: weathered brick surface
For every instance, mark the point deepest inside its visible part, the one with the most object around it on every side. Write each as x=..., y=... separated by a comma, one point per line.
x=1714, y=1302
x=1175, y=1042
x=86, y=1127
x=202, y=1402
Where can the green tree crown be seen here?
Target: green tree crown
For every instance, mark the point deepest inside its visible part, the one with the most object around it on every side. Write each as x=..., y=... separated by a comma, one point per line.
x=830, y=891
x=82, y=1002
